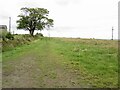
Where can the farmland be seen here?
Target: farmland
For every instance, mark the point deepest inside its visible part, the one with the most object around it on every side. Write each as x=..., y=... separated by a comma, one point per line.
x=62, y=62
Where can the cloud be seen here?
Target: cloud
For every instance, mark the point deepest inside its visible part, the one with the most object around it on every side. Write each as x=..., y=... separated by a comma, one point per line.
x=3, y=16
x=66, y=2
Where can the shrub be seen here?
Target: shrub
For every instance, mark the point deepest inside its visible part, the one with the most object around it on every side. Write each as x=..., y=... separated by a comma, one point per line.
x=9, y=36
x=39, y=34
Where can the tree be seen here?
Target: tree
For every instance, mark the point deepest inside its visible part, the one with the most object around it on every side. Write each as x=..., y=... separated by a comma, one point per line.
x=34, y=19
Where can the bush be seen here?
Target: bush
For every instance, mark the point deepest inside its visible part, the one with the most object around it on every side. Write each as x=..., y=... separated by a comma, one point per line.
x=9, y=36
x=39, y=34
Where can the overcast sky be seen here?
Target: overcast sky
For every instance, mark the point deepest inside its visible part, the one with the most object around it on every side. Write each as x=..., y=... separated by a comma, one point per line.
x=72, y=18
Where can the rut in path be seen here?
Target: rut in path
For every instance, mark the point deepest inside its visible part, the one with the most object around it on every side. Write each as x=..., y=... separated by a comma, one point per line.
x=37, y=70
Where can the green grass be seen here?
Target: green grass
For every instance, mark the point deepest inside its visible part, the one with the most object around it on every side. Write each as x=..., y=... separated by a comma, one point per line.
x=95, y=60
x=18, y=41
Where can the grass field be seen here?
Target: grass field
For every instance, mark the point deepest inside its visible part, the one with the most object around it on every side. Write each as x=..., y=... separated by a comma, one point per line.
x=62, y=62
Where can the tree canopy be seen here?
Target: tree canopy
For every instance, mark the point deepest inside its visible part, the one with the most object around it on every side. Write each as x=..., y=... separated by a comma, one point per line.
x=34, y=19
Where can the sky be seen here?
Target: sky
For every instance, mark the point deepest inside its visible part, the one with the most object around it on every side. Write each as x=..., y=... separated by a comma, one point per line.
x=72, y=18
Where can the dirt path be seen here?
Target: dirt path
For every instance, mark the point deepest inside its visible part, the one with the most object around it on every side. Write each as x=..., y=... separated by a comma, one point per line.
x=40, y=67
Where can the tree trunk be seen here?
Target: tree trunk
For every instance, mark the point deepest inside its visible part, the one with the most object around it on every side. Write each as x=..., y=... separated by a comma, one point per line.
x=31, y=32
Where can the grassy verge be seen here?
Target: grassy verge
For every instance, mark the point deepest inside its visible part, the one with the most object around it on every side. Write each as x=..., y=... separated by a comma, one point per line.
x=18, y=41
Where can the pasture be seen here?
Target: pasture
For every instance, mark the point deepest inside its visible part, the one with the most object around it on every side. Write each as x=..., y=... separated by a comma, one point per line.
x=62, y=63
